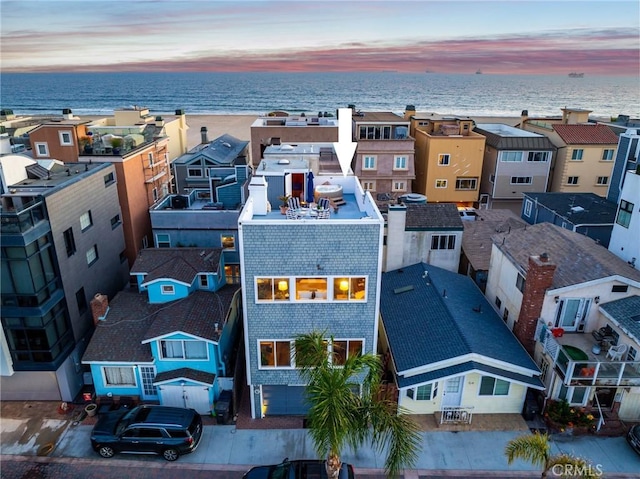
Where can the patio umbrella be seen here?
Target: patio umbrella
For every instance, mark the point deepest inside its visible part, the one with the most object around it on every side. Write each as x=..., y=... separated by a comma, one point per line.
x=310, y=187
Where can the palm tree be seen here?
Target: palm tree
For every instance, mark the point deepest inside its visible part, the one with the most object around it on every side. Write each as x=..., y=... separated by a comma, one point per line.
x=341, y=415
x=536, y=449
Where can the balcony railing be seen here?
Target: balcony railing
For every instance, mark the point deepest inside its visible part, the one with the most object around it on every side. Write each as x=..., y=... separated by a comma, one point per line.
x=456, y=415
x=587, y=372
x=22, y=218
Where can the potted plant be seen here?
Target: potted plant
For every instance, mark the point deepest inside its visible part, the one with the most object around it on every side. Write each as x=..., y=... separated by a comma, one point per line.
x=91, y=409
x=285, y=204
x=116, y=144
x=85, y=145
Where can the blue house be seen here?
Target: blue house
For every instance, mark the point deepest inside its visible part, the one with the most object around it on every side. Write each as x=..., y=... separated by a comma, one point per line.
x=172, y=341
x=448, y=350
x=584, y=213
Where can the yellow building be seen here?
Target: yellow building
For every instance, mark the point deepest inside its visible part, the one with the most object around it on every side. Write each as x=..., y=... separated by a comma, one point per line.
x=586, y=151
x=448, y=157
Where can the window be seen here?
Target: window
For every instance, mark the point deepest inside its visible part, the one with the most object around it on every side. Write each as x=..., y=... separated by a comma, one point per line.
x=528, y=205
x=167, y=289
x=493, y=387
x=204, y=280
x=375, y=132
x=179, y=349
x=92, y=255
x=323, y=288
x=426, y=392
x=576, y=155
x=109, y=179
x=123, y=256
x=276, y=354
x=119, y=376
x=272, y=289
x=69, y=242
x=369, y=163
x=154, y=194
x=349, y=288
x=344, y=348
x=150, y=156
x=520, y=282
x=369, y=185
x=85, y=220
x=115, y=221
x=572, y=180
x=510, y=156
x=194, y=172
x=163, y=240
x=42, y=149
x=521, y=180
x=466, y=183
x=602, y=180
x=399, y=186
x=632, y=354
x=443, y=242
x=81, y=300
x=441, y=183
x=232, y=273
x=65, y=138
x=537, y=156
x=619, y=288
x=624, y=213
x=228, y=242
x=505, y=315
x=607, y=155
x=400, y=163
x=544, y=370
x=498, y=302
x=443, y=159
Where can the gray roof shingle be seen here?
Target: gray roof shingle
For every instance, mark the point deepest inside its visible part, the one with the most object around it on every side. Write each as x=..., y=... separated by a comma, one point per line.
x=588, y=207
x=181, y=264
x=442, y=216
x=187, y=373
x=431, y=318
x=626, y=312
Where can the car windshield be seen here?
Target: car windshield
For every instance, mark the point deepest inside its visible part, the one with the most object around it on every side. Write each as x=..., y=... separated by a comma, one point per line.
x=125, y=420
x=282, y=471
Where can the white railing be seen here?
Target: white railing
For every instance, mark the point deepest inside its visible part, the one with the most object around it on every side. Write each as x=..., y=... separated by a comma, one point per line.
x=600, y=413
x=456, y=415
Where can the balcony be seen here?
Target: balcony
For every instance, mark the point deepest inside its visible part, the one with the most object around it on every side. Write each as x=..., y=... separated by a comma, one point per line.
x=20, y=218
x=578, y=365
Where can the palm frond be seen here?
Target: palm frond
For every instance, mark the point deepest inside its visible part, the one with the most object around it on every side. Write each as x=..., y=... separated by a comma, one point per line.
x=534, y=448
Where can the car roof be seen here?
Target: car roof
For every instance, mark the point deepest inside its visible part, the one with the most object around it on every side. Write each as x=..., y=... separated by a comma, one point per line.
x=164, y=415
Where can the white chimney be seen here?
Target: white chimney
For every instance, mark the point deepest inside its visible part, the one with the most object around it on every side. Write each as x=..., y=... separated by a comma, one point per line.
x=258, y=193
x=396, y=221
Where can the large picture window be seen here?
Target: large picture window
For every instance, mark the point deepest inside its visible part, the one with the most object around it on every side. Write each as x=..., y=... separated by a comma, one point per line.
x=624, y=213
x=280, y=353
x=493, y=387
x=276, y=354
x=119, y=376
x=178, y=349
x=302, y=289
x=426, y=392
x=466, y=183
x=443, y=242
x=511, y=156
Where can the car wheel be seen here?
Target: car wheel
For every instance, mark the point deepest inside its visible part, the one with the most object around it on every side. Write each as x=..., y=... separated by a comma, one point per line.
x=170, y=454
x=106, y=451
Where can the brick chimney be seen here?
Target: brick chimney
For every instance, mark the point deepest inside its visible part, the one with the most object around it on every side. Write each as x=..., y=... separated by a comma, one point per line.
x=99, y=307
x=539, y=279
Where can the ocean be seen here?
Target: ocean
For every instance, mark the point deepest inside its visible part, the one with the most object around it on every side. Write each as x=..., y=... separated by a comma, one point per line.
x=257, y=93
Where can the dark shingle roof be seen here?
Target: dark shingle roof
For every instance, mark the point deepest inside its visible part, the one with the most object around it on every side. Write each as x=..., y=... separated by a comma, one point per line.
x=517, y=143
x=578, y=258
x=223, y=150
x=181, y=264
x=586, y=134
x=131, y=319
x=186, y=373
x=626, y=312
x=476, y=239
x=433, y=216
x=431, y=318
x=587, y=207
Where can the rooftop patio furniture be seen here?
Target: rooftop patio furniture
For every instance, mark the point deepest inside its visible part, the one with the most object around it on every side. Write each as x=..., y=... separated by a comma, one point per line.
x=604, y=334
x=294, y=203
x=616, y=352
x=324, y=214
x=292, y=214
x=323, y=203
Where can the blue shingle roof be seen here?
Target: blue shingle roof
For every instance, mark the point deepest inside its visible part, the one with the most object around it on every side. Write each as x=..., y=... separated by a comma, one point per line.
x=443, y=316
x=626, y=312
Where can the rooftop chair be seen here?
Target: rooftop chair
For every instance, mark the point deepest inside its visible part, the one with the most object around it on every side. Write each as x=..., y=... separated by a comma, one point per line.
x=323, y=204
x=324, y=214
x=291, y=214
x=616, y=352
x=294, y=203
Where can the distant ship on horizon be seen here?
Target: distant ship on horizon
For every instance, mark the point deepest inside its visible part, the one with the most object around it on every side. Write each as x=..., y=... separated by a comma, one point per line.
x=478, y=72
x=576, y=75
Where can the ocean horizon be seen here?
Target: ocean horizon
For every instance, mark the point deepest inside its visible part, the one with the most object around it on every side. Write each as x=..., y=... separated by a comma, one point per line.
x=259, y=93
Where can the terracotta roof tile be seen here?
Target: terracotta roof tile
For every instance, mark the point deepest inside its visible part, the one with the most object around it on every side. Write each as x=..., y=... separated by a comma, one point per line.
x=586, y=134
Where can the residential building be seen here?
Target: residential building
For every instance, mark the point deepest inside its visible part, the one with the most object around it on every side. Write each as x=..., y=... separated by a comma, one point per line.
x=303, y=273
x=584, y=213
x=384, y=160
x=172, y=339
x=626, y=228
x=555, y=284
x=476, y=241
x=465, y=361
x=430, y=233
x=62, y=242
x=585, y=151
x=515, y=162
x=627, y=154
x=448, y=157
x=280, y=127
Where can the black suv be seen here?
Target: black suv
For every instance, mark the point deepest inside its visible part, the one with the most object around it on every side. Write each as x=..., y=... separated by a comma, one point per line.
x=148, y=429
x=302, y=469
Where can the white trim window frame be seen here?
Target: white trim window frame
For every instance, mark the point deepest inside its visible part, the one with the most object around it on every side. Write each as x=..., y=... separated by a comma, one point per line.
x=92, y=255
x=66, y=138
x=521, y=180
x=368, y=185
x=42, y=149
x=203, y=280
x=424, y=392
x=538, y=156
x=573, y=180
x=399, y=186
x=528, y=206
x=472, y=183
x=86, y=221
x=444, y=159
x=167, y=289
x=163, y=240
x=197, y=171
x=276, y=354
x=441, y=183
x=400, y=162
x=510, y=156
x=607, y=154
x=183, y=350
x=576, y=154
x=119, y=376
x=443, y=242
x=369, y=162
x=602, y=180
x=499, y=387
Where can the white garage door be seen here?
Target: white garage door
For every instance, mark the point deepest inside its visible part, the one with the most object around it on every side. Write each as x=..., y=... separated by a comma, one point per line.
x=194, y=397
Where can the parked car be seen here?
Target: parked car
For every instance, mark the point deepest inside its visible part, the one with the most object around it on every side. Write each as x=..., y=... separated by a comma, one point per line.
x=633, y=438
x=467, y=214
x=148, y=429
x=301, y=469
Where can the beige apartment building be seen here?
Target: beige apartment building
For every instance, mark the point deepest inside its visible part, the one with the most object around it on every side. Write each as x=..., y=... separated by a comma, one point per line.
x=448, y=157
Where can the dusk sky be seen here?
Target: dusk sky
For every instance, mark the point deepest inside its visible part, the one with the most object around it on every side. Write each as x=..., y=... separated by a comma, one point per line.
x=535, y=37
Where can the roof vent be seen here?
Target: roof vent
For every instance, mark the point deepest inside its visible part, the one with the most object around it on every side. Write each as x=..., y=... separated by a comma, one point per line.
x=577, y=209
x=283, y=162
x=404, y=289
